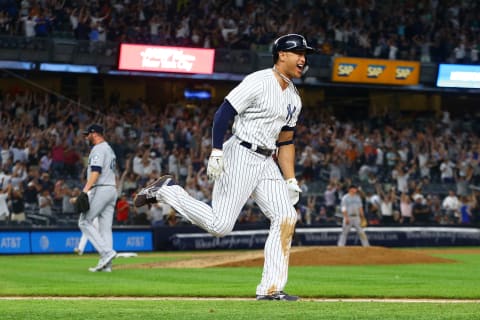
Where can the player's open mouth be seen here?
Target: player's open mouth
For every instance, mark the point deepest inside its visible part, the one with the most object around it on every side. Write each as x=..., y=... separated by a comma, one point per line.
x=300, y=67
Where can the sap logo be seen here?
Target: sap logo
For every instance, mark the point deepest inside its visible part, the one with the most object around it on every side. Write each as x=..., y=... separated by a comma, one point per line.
x=345, y=69
x=403, y=72
x=374, y=71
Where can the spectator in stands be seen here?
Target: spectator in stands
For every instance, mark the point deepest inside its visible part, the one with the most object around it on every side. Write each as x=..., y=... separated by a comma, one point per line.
x=469, y=204
x=46, y=162
x=71, y=162
x=5, y=177
x=451, y=204
x=406, y=209
x=387, y=200
x=45, y=203
x=421, y=212
x=447, y=171
x=4, y=197
x=18, y=205
x=372, y=206
x=159, y=213
x=5, y=154
x=58, y=158
x=67, y=205
x=330, y=199
x=123, y=210
x=45, y=182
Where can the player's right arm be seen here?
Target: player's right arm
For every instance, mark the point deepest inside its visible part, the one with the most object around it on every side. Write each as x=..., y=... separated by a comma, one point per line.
x=221, y=122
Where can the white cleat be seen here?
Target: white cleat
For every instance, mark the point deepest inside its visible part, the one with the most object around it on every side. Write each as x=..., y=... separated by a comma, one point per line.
x=104, y=262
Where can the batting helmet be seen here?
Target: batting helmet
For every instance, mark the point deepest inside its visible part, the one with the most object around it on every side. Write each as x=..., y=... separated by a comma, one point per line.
x=290, y=42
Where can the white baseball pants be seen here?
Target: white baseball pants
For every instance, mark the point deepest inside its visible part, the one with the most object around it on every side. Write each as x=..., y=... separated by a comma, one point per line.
x=246, y=174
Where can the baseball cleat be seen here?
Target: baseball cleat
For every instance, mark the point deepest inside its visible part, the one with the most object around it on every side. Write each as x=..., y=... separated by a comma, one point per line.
x=78, y=251
x=104, y=261
x=95, y=269
x=280, y=295
x=147, y=194
x=107, y=268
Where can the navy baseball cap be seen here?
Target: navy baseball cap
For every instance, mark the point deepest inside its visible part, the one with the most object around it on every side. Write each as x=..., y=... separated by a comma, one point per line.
x=93, y=128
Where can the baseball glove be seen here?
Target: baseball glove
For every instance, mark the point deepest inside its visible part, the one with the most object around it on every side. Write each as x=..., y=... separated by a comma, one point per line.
x=363, y=222
x=82, y=204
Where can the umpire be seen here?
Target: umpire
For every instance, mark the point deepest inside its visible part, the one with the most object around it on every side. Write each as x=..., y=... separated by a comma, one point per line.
x=352, y=210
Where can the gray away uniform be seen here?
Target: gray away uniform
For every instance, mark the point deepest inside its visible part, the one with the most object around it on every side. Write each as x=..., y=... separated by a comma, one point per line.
x=353, y=205
x=102, y=198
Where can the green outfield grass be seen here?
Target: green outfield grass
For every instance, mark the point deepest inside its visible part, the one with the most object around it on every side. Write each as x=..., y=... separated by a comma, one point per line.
x=67, y=276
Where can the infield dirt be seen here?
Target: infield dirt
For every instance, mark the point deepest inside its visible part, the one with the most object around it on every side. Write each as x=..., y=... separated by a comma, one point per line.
x=299, y=256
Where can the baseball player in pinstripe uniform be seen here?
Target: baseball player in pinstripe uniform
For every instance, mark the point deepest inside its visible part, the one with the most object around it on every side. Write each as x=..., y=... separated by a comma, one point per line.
x=102, y=195
x=264, y=109
x=352, y=210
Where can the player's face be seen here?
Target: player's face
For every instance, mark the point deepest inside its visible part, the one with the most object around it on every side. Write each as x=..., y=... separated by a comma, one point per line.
x=295, y=63
x=89, y=138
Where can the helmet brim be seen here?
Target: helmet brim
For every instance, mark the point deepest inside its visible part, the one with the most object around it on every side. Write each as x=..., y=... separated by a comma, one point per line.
x=307, y=50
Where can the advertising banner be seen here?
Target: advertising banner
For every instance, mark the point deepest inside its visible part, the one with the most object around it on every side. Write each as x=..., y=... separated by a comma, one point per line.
x=66, y=241
x=56, y=241
x=135, y=57
x=378, y=236
x=458, y=76
x=376, y=71
x=133, y=240
x=14, y=242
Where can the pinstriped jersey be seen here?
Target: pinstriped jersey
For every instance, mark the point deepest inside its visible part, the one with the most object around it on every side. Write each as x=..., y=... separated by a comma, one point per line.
x=103, y=156
x=263, y=108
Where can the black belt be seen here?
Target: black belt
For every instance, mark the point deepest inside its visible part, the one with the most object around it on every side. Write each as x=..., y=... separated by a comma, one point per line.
x=263, y=152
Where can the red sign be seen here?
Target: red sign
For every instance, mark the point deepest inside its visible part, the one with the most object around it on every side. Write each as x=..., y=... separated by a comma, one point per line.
x=136, y=57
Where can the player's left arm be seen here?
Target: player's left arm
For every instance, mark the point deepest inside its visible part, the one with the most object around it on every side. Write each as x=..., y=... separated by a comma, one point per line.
x=286, y=152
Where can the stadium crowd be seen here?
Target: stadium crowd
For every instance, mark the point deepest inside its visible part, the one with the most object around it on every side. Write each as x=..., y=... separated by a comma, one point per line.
x=425, y=30
x=421, y=172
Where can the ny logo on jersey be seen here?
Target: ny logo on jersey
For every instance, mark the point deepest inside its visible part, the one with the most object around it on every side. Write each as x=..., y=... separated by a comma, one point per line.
x=290, y=112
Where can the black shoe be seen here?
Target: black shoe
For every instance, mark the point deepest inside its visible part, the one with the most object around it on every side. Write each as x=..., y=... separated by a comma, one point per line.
x=147, y=194
x=280, y=295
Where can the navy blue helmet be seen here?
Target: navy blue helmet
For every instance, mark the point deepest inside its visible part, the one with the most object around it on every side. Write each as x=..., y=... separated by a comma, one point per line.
x=291, y=42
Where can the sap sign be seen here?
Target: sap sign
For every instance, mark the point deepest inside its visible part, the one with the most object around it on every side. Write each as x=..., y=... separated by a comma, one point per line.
x=14, y=242
x=375, y=71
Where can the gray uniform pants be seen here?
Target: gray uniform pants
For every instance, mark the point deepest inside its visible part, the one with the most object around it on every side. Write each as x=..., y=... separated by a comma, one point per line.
x=353, y=222
x=102, y=205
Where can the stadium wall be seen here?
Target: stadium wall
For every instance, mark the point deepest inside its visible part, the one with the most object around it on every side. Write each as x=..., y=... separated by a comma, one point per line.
x=57, y=240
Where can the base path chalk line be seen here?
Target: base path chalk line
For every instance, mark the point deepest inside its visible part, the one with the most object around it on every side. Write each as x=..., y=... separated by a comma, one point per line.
x=388, y=300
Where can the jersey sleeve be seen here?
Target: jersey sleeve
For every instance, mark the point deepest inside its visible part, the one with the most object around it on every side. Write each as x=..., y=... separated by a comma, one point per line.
x=96, y=160
x=244, y=93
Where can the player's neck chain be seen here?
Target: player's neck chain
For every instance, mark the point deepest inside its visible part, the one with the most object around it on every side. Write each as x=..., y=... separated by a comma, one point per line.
x=288, y=81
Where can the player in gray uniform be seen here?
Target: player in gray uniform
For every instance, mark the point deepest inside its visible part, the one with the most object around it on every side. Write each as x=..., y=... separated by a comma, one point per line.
x=264, y=109
x=102, y=194
x=352, y=210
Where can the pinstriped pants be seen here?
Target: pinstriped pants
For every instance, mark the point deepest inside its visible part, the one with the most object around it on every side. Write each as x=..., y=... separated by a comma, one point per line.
x=246, y=174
